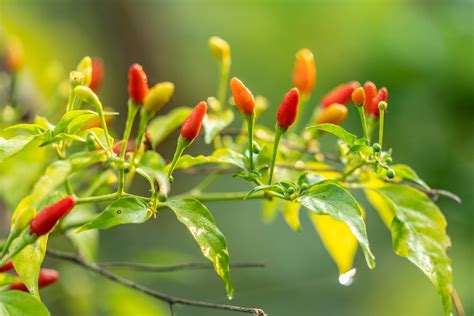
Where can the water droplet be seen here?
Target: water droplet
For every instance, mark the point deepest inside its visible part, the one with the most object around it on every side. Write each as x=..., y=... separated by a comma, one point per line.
x=347, y=278
x=230, y=297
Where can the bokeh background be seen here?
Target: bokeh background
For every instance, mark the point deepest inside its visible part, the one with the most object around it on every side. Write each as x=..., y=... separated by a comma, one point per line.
x=421, y=50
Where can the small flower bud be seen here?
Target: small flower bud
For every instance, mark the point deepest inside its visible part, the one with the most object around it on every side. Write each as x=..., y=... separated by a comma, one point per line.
x=304, y=73
x=340, y=94
x=382, y=106
x=87, y=94
x=288, y=110
x=158, y=96
x=46, y=277
x=76, y=78
x=243, y=98
x=220, y=49
x=14, y=55
x=97, y=74
x=137, y=84
x=333, y=114
x=358, y=96
x=387, y=159
x=390, y=173
x=376, y=147
x=45, y=221
x=192, y=125
x=85, y=66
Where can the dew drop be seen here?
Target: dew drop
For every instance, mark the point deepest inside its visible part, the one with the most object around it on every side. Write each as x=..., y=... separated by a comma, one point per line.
x=230, y=297
x=347, y=278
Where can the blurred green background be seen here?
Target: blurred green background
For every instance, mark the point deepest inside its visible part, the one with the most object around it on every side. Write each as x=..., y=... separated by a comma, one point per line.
x=421, y=50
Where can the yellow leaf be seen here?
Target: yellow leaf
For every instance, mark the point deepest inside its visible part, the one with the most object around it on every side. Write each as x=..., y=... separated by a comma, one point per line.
x=291, y=212
x=382, y=206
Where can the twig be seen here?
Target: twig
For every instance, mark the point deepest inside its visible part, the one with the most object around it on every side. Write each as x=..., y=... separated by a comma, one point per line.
x=171, y=300
x=457, y=302
x=171, y=268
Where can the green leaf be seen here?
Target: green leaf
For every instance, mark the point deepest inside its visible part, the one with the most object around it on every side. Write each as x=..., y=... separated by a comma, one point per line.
x=9, y=147
x=17, y=303
x=127, y=210
x=419, y=233
x=264, y=187
x=337, y=131
x=333, y=200
x=199, y=221
x=54, y=176
x=309, y=179
x=73, y=121
x=28, y=261
x=151, y=166
x=216, y=122
x=34, y=128
x=407, y=173
x=164, y=125
x=222, y=156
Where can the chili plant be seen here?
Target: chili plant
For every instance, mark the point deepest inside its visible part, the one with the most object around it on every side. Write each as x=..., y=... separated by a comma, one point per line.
x=85, y=163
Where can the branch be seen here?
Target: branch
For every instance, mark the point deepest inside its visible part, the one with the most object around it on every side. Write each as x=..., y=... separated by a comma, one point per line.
x=223, y=169
x=171, y=300
x=171, y=268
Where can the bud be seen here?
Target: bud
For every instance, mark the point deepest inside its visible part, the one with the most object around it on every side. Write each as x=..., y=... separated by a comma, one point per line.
x=382, y=96
x=304, y=73
x=76, y=78
x=288, y=110
x=87, y=94
x=358, y=96
x=46, y=277
x=97, y=74
x=220, y=49
x=377, y=148
x=243, y=98
x=158, y=96
x=45, y=221
x=14, y=55
x=333, y=114
x=192, y=125
x=390, y=173
x=85, y=66
x=340, y=94
x=370, y=93
x=137, y=83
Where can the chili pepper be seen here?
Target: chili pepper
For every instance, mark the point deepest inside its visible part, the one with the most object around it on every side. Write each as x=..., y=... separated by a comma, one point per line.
x=192, y=125
x=45, y=221
x=46, y=277
x=304, y=73
x=382, y=95
x=6, y=267
x=243, y=98
x=370, y=90
x=288, y=110
x=220, y=49
x=358, y=96
x=97, y=74
x=14, y=55
x=340, y=94
x=137, y=83
x=158, y=96
x=333, y=114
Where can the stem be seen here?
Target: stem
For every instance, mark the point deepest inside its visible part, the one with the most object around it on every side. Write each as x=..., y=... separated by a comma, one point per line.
x=132, y=112
x=350, y=171
x=172, y=268
x=28, y=239
x=100, y=111
x=224, y=77
x=278, y=133
x=364, y=123
x=98, y=198
x=165, y=297
x=206, y=182
x=381, y=121
x=11, y=92
x=181, y=146
x=457, y=302
x=15, y=232
x=250, y=123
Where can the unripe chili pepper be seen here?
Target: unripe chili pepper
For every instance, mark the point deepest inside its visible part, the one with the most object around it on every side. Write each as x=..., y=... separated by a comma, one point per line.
x=45, y=221
x=370, y=93
x=158, y=96
x=46, y=277
x=304, y=73
x=192, y=125
x=333, y=114
x=358, y=96
x=242, y=96
x=340, y=94
x=137, y=84
x=97, y=74
x=288, y=110
x=220, y=49
x=6, y=267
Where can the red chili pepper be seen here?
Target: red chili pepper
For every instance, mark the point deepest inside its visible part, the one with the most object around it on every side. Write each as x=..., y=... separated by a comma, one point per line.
x=46, y=277
x=137, y=83
x=242, y=96
x=97, y=74
x=340, y=94
x=286, y=114
x=382, y=95
x=44, y=222
x=7, y=266
x=370, y=90
x=192, y=125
